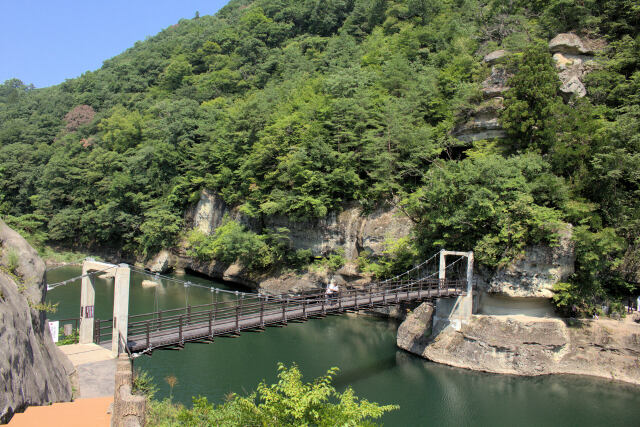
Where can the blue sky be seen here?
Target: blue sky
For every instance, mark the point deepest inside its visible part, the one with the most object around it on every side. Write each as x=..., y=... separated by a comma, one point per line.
x=45, y=42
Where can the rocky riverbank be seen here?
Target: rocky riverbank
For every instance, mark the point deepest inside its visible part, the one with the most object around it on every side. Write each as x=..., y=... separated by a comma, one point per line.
x=514, y=329
x=526, y=345
x=512, y=332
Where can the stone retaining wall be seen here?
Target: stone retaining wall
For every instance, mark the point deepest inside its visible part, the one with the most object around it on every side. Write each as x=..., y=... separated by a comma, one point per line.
x=128, y=410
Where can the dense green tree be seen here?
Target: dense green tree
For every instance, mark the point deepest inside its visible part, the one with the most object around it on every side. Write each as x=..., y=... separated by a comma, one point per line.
x=491, y=205
x=533, y=99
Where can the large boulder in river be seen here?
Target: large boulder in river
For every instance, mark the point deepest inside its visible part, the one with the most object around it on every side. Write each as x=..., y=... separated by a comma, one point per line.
x=149, y=283
x=413, y=333
x=32, y=369
x=521, y=345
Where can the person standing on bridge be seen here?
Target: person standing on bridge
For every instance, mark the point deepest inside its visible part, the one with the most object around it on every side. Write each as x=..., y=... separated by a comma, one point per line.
x=332, y=290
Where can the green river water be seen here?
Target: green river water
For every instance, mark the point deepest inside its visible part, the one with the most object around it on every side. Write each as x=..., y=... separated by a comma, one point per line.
x=364, y=349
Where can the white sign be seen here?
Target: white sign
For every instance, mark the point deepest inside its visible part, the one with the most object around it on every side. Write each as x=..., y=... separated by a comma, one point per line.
x=54, y=328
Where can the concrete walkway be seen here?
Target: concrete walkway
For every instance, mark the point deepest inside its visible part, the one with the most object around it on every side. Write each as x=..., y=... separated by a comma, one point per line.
x=96, y=369
x=80, y=354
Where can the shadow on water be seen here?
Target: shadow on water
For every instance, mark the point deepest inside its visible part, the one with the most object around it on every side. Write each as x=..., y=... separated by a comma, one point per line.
x=360, y=373
x=217, y=283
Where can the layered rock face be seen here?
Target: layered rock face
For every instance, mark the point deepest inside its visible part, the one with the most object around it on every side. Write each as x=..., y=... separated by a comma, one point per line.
x=526, y=286
x=574, y=58
x=32, y=369
x=349, y=230
x=522, y=345
x=484, y=122
x=534, y=275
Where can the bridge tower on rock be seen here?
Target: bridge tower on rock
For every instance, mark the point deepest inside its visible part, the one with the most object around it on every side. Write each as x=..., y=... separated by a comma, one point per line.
x=455, y=311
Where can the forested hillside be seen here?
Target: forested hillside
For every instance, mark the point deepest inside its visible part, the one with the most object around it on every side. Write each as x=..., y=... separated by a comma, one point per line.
x=295, y=107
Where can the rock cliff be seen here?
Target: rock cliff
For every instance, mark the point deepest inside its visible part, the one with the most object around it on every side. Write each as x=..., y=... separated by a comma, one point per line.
x=534, y=275
x=483, y=122
x=574, y=58
x=522, y=345
x=350, y=230
x=525, y=287
x=32, y=369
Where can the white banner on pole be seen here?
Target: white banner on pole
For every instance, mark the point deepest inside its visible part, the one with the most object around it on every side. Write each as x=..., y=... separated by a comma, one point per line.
x=54, y=328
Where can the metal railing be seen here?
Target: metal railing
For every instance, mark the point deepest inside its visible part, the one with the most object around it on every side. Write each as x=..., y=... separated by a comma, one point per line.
x=102, y=330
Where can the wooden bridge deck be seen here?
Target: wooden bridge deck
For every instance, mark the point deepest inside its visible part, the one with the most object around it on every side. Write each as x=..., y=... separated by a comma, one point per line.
x=174, y=330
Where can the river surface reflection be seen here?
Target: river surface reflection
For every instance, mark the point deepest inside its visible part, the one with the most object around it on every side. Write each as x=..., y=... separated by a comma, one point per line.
x=364, y=349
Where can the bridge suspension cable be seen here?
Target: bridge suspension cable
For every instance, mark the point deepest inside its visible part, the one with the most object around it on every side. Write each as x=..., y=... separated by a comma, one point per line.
x=410, y=283
x=186, y=283
x=51, y=286
x=413, y=269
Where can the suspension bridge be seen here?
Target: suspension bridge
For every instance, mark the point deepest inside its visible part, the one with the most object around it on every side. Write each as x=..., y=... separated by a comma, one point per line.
x=240, y=311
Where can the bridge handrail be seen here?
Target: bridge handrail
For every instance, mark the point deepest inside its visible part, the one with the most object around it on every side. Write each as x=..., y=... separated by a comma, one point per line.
x=188, y=317
x=275, y=298
x=289, y=297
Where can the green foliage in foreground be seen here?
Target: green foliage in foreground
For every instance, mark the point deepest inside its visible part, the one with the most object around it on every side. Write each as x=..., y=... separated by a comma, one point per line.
x=143, y=384
x=289, y=402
